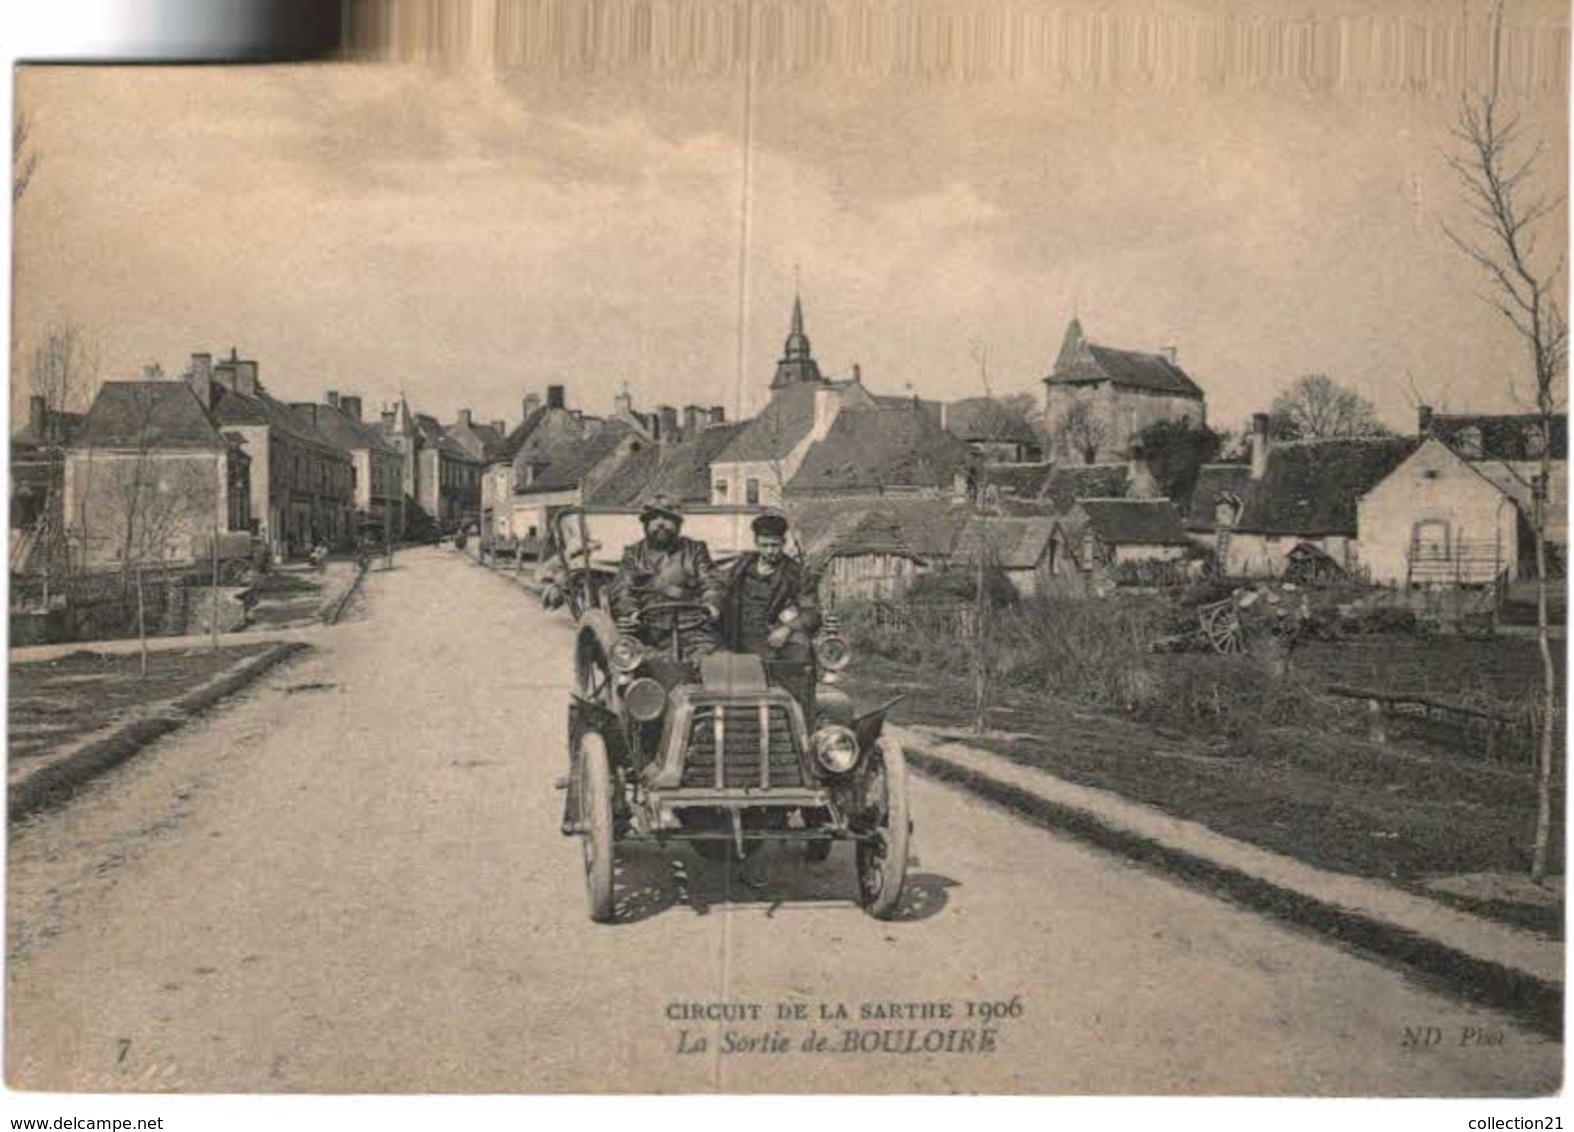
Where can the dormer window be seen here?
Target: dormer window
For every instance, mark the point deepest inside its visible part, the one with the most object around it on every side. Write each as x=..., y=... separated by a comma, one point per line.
x=1468, y=441
x=1535, y=442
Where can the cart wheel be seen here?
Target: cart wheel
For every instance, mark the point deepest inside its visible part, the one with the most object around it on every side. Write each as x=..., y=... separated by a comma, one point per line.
x=1222, y=628
x=882, y=860
x=595, y=815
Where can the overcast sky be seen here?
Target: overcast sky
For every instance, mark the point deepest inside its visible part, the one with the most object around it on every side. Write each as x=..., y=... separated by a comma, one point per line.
x=473, y=236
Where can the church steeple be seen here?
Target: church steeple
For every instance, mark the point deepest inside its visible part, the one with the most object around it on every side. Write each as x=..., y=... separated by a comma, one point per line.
x=797, y=363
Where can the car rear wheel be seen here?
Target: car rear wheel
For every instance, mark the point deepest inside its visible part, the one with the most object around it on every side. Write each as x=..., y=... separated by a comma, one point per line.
x=596, y=838
x=882, y=858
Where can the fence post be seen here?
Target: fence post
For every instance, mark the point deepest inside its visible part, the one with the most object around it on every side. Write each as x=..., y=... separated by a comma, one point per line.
x=1375, y=730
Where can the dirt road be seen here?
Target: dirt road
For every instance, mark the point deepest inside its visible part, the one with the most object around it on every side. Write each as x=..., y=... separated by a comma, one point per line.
x=351, y=879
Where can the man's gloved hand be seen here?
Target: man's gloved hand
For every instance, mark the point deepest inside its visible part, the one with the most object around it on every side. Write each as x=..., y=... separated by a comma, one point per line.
x=779, y=636
x=711, y=612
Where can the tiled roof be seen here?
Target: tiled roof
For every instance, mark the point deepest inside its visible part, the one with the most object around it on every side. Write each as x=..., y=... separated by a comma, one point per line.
x=779, y=428
x=1510, y=436
x=984, y=418
x=1128, y=522
x=232, y=408
x=1025, y=481
x=344, y=430
x=492, y=440
x=565, y=465
x=1309, y=487
x=628, y=480
x=1081, y=362
x=1068, y=484
x=924, y=528
x=148, y=415
x=875, y=449
x=1016, y=544
x=684, y=470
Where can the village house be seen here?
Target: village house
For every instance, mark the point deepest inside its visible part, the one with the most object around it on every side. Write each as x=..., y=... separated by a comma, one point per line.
x=563, y=468
x=152, y=480
x=37, y=481
x=1506, y=449
x=302, y=482
x=874, y=548
x=1099, y=399
x=480, y=441
x=1459, y=510
x=1293, y=496
x=379, y=466
x=1018, y=547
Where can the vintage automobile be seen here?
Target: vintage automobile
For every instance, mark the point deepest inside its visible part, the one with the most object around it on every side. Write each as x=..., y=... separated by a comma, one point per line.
x=725, y=751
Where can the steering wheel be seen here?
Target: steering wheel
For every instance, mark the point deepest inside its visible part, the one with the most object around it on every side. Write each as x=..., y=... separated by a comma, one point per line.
x=676, y=624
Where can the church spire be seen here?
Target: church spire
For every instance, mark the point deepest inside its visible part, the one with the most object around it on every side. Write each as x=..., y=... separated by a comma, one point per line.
x=797, y=363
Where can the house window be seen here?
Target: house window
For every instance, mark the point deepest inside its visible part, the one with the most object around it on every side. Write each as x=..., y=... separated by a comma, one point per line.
x=721, y=491
x=1469, y=442
x=751, y=491
x=1429, y=538
x=1533, y=441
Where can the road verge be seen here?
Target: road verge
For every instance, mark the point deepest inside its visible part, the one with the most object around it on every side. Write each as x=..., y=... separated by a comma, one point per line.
x=1466, y=956
x=60, y=773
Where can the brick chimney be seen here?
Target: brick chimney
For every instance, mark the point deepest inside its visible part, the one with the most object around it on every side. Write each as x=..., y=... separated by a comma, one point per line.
x=38, y=417
x=555, y=397
x=1259, y=445
x=246, y=377
x=350, y=405
x=668, y=429
x=464, y=418
x=531, y=403
x=1424, y=420
x=623, y=404
x=391, y=418
x=694, y=419
x=332, y=398
x=200, y=378
x=718, y=414
x=501, y=426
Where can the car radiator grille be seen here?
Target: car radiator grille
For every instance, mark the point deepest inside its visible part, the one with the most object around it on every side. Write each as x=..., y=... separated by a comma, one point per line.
x=745, y=759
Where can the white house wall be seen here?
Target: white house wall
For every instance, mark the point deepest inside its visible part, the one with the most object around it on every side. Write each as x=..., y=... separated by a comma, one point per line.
x=1435, y=486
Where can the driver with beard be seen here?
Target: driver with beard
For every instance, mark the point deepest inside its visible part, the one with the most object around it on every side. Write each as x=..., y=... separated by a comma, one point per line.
x=664, y=566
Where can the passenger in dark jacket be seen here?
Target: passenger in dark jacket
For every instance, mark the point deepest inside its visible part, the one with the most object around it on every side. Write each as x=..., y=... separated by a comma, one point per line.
x=769, y=606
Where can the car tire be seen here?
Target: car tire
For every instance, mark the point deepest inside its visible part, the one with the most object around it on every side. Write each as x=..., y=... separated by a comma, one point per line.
x=882, y=862
x=597, y=838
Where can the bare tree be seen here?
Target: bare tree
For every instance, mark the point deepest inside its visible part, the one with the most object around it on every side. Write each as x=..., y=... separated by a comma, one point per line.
x=155, y=500
x=1317, y=407
x=62, y=368
x=24, y=158
x=1082, y=432
x=1506, y=214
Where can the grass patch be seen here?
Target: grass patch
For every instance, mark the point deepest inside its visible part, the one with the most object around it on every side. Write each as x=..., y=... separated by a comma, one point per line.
x=1246, y=745
x=56, y=702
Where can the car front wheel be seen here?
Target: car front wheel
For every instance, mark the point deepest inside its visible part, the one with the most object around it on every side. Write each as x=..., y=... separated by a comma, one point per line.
x=882, y=857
